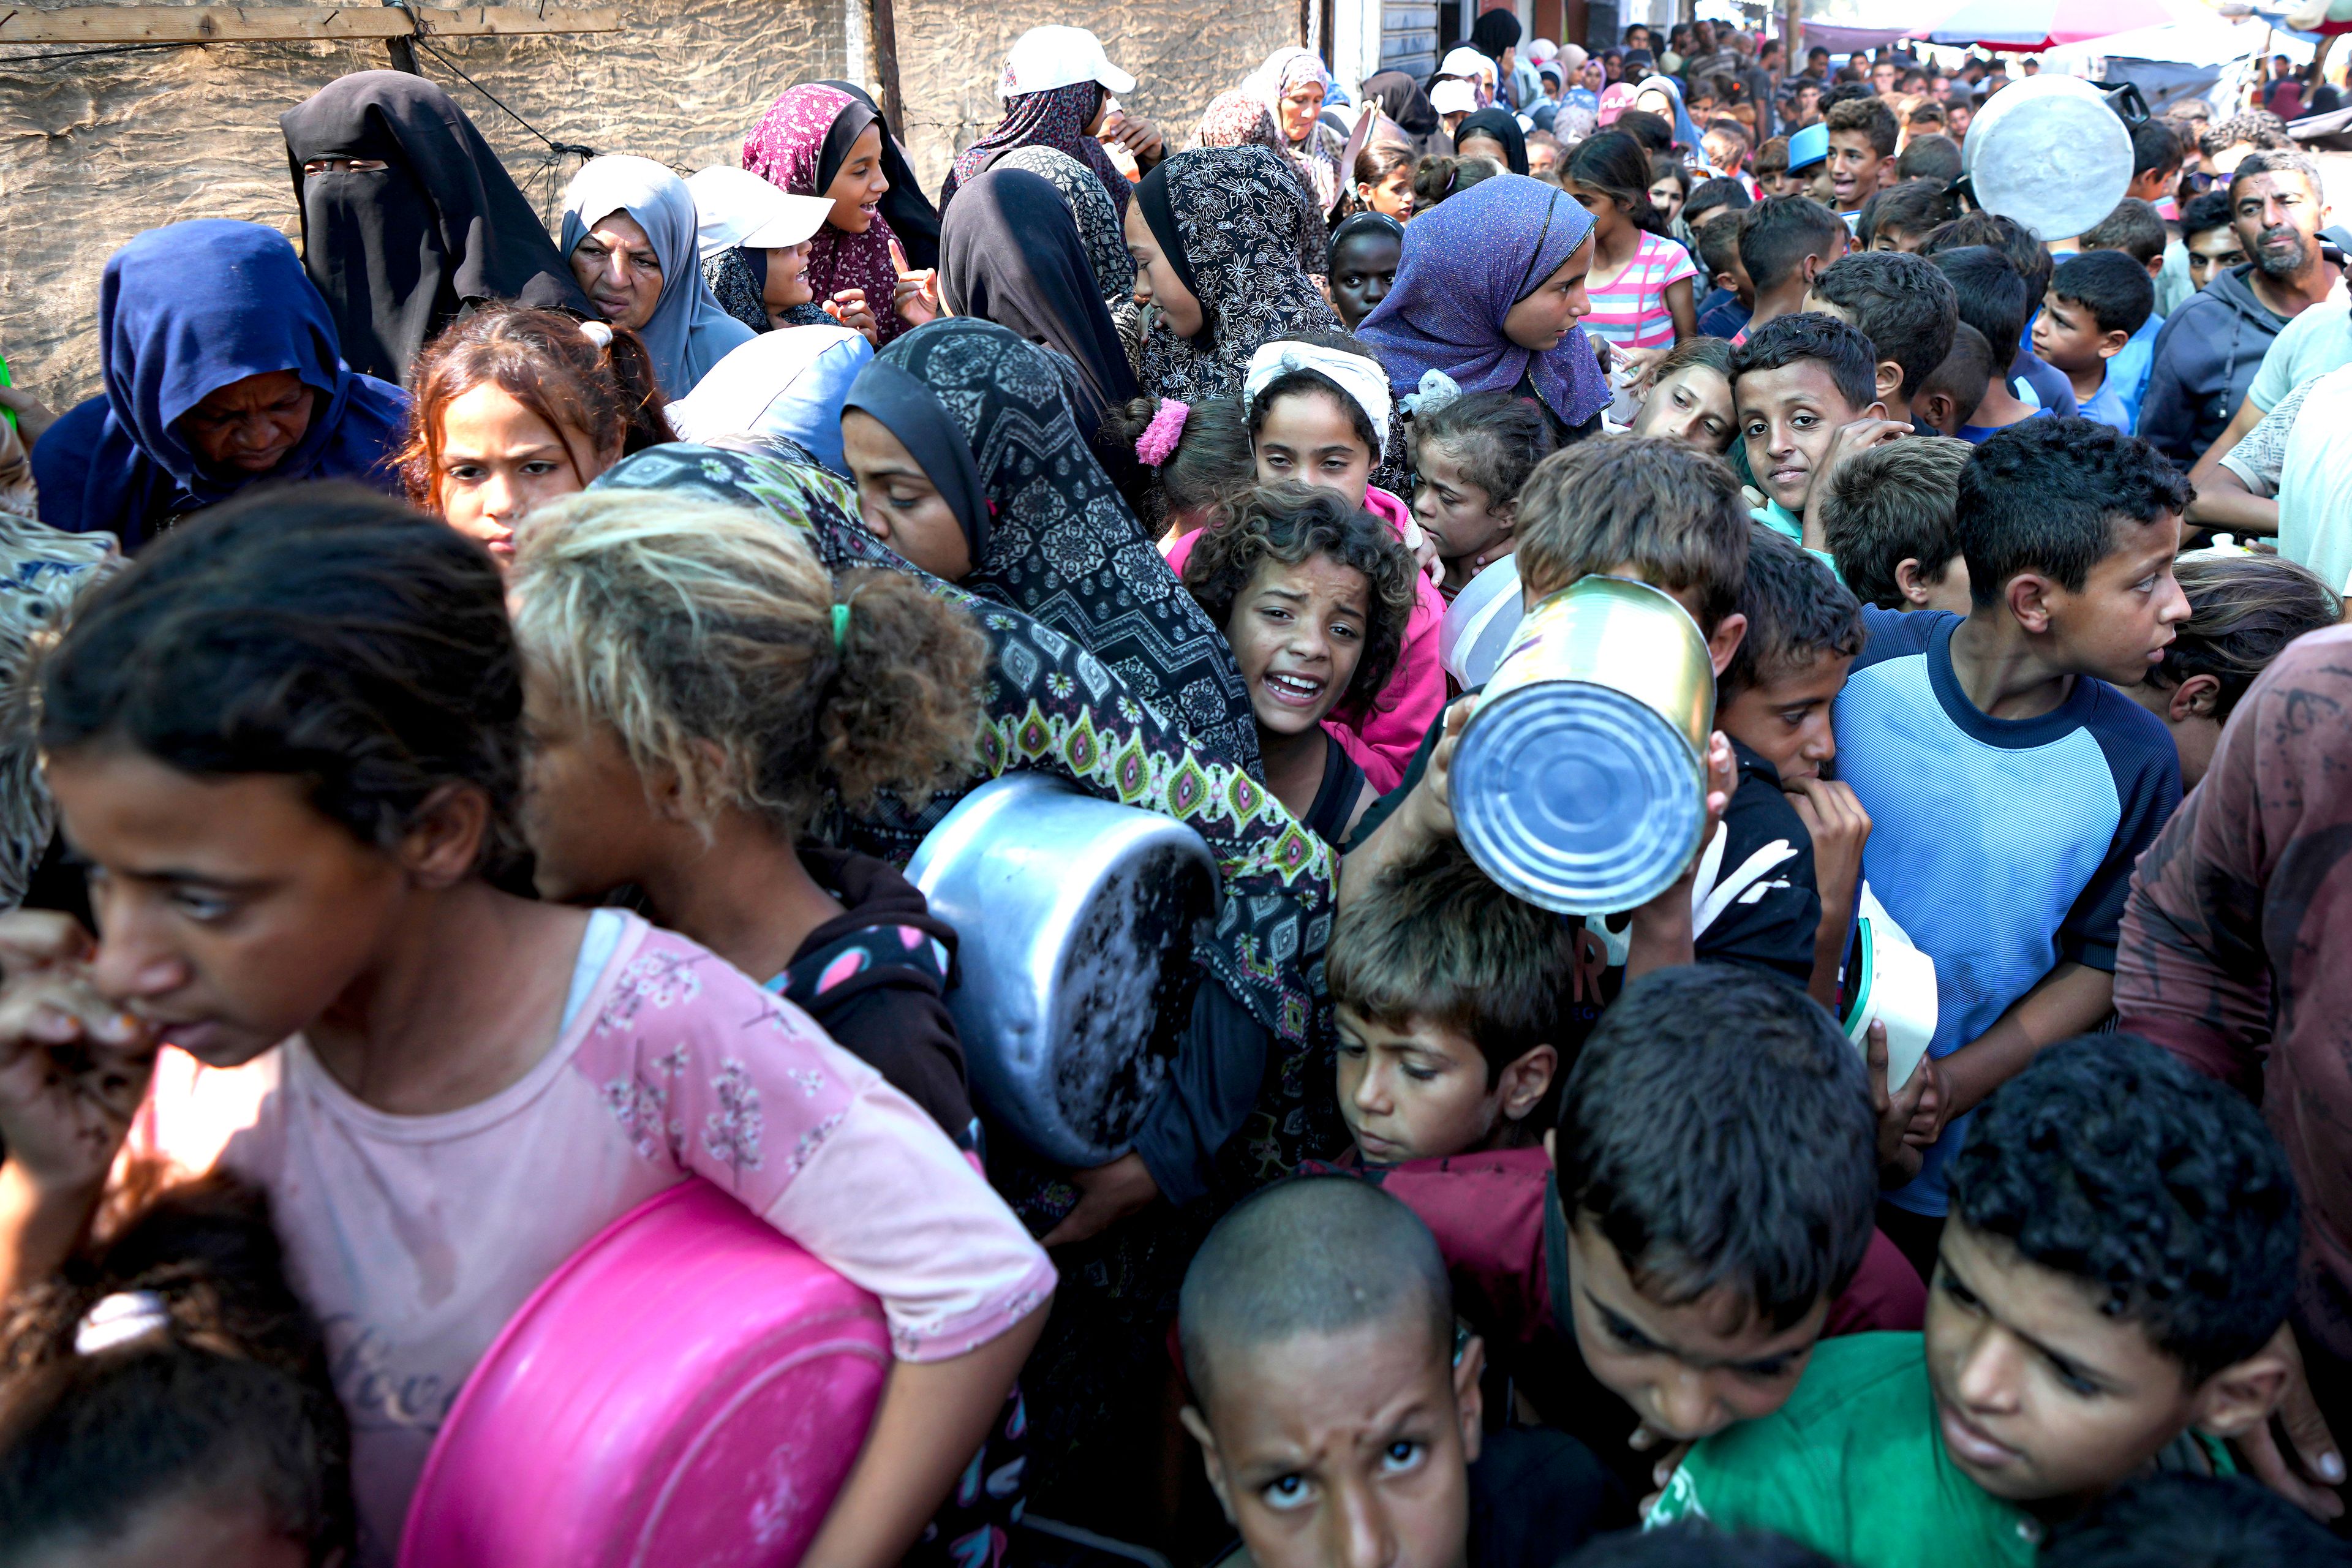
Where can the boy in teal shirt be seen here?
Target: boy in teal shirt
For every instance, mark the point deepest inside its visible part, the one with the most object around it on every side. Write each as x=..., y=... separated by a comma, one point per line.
x=1806, y=391
x=2120, y=1257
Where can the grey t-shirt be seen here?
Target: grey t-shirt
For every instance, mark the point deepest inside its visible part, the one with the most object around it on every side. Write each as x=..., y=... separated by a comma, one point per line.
x=2261, y=455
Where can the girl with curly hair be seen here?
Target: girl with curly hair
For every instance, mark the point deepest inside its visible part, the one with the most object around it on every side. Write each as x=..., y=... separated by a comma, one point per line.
x=1313, y=595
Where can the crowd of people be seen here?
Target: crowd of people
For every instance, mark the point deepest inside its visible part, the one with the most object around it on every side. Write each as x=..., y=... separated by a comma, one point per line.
x=475, y=688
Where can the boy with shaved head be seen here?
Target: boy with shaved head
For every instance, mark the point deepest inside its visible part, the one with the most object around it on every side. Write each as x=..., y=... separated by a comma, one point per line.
x=1338, y=1412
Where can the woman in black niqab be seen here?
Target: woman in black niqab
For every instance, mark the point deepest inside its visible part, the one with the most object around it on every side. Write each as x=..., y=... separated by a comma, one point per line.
x=402, y=250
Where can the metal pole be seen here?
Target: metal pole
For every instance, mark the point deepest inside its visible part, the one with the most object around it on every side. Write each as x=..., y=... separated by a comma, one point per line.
x=886, y=64
x=402, y=52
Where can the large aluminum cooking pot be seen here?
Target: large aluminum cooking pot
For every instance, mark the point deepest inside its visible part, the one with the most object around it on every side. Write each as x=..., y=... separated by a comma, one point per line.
x=2050, y=152
x=1579, y=784
x=1076, y=920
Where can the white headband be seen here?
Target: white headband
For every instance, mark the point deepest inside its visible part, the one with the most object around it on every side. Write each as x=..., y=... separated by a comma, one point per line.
x=119, y=1319
x=1358, y=375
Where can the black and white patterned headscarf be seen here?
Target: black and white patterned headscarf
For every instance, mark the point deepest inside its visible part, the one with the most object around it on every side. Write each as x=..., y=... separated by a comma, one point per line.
x=1050, y=533
x=1090, y=208
x=1232, y=220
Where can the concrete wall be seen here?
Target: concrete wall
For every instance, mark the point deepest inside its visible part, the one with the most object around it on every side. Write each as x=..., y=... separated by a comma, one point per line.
x=96, y=147
x=1181, y=54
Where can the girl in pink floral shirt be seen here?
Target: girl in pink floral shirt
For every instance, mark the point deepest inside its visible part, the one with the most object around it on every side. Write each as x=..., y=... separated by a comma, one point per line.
x=286, y=741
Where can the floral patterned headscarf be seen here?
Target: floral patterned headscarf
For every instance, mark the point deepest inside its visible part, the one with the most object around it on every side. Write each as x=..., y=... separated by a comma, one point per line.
x=1240, y=118
x=798, y=146
x=1233, y=220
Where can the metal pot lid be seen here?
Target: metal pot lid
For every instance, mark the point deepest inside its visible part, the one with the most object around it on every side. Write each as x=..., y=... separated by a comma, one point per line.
x=2050, y=153
x=1576, y=798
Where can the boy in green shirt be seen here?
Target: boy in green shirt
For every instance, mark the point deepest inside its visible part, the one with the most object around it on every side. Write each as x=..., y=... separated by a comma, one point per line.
x=2119, y=1258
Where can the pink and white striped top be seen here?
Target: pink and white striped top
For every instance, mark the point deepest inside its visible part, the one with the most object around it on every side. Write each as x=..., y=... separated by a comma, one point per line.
x=1632, y=310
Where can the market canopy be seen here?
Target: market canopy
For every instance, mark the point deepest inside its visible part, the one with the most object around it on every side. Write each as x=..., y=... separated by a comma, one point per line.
x=2204, y=39
x=1842, y=27
x=2024, y=27
x=2152, y=29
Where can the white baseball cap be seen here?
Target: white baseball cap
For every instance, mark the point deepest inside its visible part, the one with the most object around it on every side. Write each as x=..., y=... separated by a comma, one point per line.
x=1047, y=57
x=734, y=207
x=1466, y=62
x=1454, y=97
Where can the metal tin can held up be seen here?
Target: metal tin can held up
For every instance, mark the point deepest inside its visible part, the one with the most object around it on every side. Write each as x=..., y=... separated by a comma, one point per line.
x=1075, y=922
x=1579, y=784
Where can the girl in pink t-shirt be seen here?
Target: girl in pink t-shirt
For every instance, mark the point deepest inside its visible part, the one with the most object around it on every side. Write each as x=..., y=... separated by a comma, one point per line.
x=1641, y=283
x=287, y=741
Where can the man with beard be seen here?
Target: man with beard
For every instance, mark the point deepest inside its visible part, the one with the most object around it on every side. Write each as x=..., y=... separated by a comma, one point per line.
x=2208, y=355
x=2315, y=343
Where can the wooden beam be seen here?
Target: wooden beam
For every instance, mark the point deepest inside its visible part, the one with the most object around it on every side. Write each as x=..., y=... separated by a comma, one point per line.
x=266, y=24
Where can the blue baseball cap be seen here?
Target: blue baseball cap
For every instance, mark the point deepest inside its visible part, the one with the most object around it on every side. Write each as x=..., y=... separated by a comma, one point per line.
x=1809, y=146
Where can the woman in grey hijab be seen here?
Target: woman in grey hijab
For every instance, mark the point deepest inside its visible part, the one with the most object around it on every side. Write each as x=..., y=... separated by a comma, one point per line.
x=629, y=234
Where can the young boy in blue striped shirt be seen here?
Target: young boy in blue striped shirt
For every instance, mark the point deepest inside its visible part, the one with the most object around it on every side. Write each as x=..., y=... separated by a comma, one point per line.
x=2011, y=786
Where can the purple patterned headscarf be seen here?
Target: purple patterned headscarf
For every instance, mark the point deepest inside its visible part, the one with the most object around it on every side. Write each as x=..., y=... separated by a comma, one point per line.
x=1468, y=261
x=1056, y=117
x=1238, y=119
x=787, y=149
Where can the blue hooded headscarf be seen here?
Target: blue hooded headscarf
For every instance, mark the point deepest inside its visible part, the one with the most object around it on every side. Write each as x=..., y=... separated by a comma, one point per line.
x=1686, y=129
x=183, y=311
x=1468, y=261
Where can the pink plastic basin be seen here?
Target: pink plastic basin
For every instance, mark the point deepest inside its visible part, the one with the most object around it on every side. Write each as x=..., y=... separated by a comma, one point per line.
x=690, y=1388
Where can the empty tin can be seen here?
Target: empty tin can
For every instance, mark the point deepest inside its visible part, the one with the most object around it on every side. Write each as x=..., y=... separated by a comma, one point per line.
x=1075, y=920
x=1579, y=784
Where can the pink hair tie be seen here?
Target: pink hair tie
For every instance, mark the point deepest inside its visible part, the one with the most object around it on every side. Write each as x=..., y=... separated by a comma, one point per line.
x=1159, y=439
